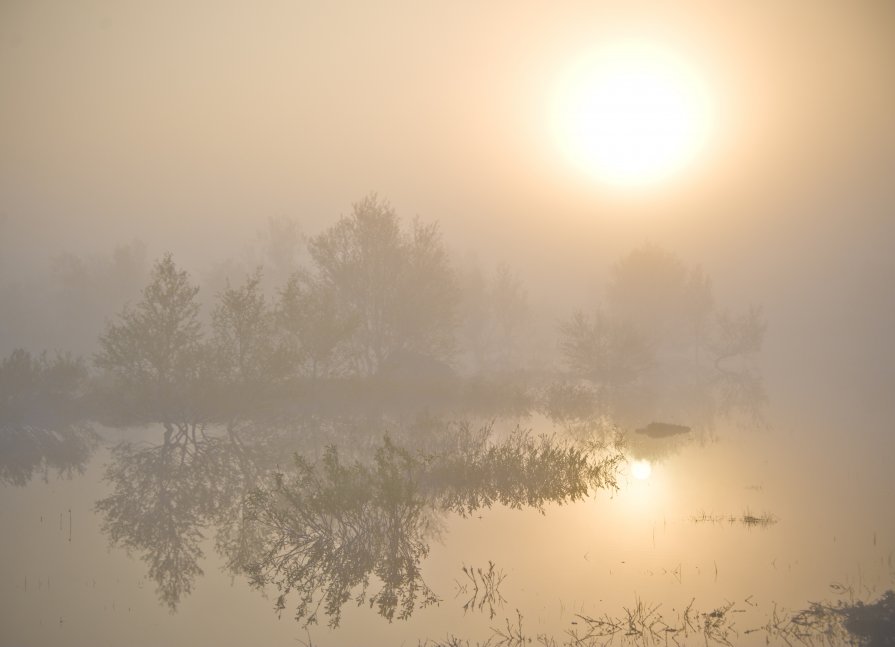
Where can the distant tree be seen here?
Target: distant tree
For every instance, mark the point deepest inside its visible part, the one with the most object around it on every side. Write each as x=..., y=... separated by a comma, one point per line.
x=737, y=335
x=243, y=339
x=494, y=314
x=41, y=425
x=86, y=288
x=510, y=310
x=281, y=246
x=608, y=352
x=39, y=383
x=662, y=330
x=316, y=324
x=396, y=283
x=155, y=348
x=670, y=304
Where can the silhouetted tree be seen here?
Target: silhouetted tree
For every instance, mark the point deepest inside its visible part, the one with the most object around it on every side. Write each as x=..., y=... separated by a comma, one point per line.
x=737, y=335
x=397, y=283
x=317, y=325
x=41, y=426
x=662, y=332
x=668, y=303
x=609, y=353
x=243, y=340
x=155, y=348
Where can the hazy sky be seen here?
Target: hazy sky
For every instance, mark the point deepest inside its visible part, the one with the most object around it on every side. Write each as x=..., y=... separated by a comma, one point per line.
x=188, y=124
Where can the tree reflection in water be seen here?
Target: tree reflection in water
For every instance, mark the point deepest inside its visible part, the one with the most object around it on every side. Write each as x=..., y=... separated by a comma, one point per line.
x=166, y=497
x=328, y=527
x=331, y=529
x=41, y=424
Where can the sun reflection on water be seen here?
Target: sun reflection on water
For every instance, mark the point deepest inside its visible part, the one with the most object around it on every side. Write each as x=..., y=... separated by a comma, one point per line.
x=641, y=469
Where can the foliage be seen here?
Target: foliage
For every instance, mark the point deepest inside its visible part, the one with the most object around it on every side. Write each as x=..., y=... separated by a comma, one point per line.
x=155, y=348
x=669, y=304
x=321, y=532
x=35, y=387
x=661, y=342
x=165, y=497
x=243, y=339
x=329, y=527
x=317, y=325
x=519, y=471
x=397, y=284
x=605, y=351
x=40, y=417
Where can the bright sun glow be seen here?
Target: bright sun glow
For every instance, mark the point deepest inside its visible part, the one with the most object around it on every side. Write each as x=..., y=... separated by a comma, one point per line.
x=632, y=114
x=641, y=470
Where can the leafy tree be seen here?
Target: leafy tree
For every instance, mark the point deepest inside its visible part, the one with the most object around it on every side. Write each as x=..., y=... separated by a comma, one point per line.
x=670, y=304
x=397, y=283
x=155, y=348
x=661, y=314
x=605, y=351
x=316, y=325
x=165, y=498
x=40, y=389
x=40, y=417
x=243, y=329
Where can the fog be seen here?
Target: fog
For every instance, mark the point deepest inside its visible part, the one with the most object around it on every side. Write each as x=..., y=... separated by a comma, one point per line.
x=341, y=253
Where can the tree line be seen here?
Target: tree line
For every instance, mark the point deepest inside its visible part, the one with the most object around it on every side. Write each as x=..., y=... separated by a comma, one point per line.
x=380, y=299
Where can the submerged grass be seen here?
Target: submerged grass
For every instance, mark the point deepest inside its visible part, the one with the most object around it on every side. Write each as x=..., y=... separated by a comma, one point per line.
x=843, y=622
x=482, y=588
x=747, y=518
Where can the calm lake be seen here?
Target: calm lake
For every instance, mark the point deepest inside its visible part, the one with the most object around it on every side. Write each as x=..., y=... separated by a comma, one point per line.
x=431, y=529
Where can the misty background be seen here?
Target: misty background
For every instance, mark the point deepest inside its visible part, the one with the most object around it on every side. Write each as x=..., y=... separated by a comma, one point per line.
x=261, y=158
x=229, y=135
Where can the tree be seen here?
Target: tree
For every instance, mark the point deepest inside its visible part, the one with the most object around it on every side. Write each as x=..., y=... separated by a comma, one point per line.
x=737, y=335
x=396, y=283
x=608, y=352
x=668, y=303
x=281, y=248
x=155, y=348
x=661, y=313
x=315, y=323
x=40, y=417
x=243, y=339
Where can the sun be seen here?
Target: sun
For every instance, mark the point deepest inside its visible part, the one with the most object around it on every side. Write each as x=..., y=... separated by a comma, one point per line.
x=632, y=114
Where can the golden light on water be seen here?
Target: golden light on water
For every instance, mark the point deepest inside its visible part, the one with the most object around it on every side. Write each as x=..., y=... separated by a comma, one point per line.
x=632, y=114
x=641, y=469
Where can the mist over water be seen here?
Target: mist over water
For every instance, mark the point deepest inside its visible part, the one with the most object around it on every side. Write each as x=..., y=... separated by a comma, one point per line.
x=311, y=331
